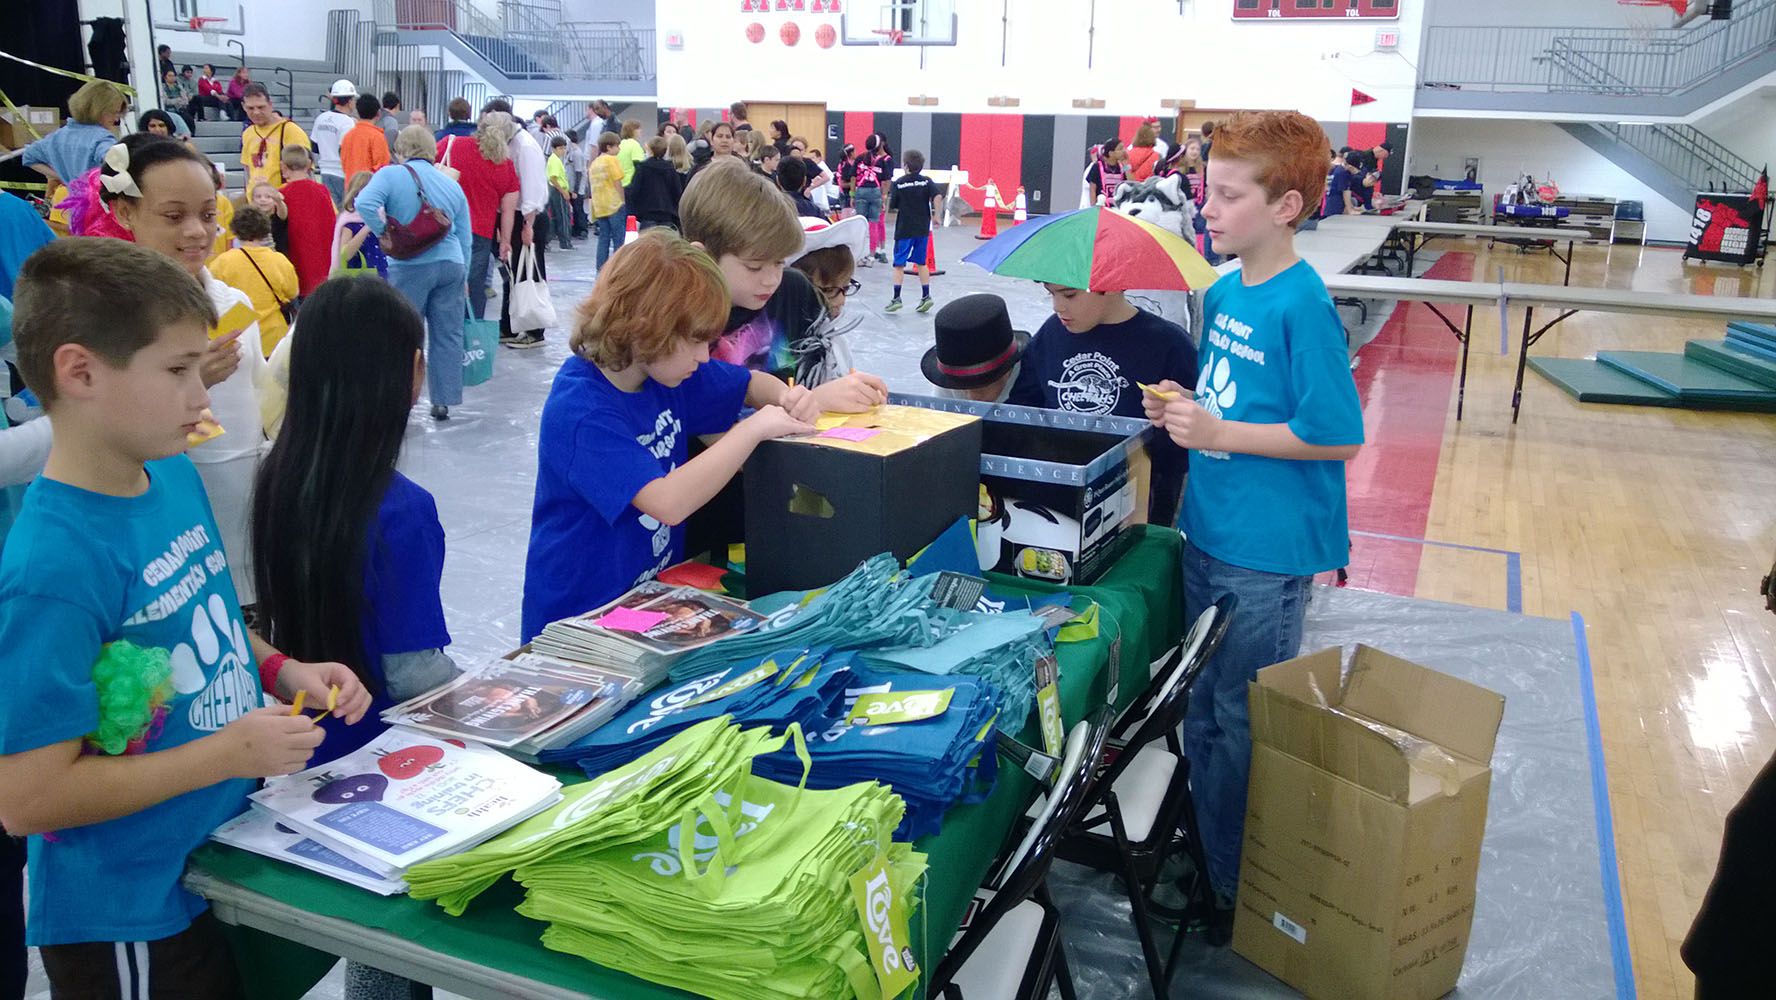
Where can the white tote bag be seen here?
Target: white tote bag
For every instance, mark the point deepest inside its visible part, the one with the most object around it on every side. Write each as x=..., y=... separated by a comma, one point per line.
x=532, y=308
x=444, y=166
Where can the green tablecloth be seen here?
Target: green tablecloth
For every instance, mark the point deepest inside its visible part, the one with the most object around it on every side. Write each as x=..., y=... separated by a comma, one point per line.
x=1141, y=605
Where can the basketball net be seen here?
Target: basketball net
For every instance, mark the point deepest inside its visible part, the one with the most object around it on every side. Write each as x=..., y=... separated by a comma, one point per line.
x=204, y=26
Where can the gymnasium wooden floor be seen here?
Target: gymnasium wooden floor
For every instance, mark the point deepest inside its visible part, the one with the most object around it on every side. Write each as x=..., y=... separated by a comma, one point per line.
x=1655, y=525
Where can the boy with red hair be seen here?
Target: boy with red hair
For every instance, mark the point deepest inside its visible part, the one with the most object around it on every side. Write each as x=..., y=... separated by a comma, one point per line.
x=1272, y=419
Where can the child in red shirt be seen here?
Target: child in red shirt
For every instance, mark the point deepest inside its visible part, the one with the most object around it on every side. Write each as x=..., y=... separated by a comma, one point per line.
x=312, y=218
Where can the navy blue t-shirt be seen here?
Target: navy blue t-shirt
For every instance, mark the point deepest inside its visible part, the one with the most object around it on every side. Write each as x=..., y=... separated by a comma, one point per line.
x=1338, y=181
x=597, y=448
x=1096, y=371
x=403, y=611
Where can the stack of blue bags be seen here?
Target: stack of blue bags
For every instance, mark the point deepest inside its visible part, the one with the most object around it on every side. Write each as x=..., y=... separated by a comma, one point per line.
x=802, y=686
x=931, y=763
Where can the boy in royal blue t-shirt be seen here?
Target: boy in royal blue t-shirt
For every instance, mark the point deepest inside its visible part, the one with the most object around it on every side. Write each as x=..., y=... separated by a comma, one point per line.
x=1273, y=419
x=116, y=541
x=613, y=483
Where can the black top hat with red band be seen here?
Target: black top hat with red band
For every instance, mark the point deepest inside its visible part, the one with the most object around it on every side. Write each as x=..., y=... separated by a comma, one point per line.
x=975, y=343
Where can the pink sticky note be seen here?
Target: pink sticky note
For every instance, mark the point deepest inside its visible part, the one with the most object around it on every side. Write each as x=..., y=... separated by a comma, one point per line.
x=851, y=433
x=630, y=620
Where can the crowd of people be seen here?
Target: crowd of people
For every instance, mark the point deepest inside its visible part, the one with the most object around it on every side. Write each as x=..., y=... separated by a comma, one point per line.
x=237, y=428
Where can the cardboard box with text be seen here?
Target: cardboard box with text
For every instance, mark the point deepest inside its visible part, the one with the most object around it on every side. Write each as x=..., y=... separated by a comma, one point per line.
x=1363, y=826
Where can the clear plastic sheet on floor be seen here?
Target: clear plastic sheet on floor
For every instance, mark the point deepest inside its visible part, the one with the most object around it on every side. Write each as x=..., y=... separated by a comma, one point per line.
x=1540, y=928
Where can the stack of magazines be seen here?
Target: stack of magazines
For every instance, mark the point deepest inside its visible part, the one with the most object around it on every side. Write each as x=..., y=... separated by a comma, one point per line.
x=647, y=630
x=402, y=798
x=523, y=705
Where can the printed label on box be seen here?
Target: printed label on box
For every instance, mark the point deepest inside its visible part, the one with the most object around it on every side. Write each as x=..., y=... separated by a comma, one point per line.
x=1289, y=927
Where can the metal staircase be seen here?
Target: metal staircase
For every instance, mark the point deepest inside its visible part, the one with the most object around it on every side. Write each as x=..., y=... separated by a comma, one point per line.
x=1669, y=72
x=527, y=50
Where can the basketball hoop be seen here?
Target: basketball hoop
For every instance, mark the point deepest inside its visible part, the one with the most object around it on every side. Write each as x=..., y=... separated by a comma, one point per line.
x=890, y=36
x=203, y=25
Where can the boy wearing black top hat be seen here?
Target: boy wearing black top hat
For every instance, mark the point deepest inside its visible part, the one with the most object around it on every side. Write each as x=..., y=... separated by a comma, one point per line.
x=978, y=354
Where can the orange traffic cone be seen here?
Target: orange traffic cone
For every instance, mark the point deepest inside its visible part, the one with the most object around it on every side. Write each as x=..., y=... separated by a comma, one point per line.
x=632, y=232
x=931, y=254
x=989, y=217
x=1020, y=214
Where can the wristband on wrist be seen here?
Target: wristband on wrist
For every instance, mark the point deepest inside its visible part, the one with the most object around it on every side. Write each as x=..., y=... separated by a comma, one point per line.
x=268, y=671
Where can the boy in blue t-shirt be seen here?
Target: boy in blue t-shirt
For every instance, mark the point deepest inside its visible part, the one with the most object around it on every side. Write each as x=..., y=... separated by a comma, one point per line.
x=614, y=485
x=1272, y=421
x=115, y=541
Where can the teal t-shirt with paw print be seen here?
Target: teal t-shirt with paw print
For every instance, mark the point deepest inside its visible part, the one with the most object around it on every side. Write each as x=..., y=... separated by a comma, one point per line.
x=1274, y=353
x=82, y=569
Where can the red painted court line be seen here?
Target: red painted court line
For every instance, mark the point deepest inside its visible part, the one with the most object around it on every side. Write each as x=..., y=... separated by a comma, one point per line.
x=1404, y=378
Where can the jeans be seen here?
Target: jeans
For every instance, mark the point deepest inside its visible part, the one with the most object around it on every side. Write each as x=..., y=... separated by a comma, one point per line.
x=436, y=290
x=13, y=958
x=539, y=243
x=610, y=236
x=560, y=218
x=1265, y=629
x=480, y=256
x=336, y=187
x=581, y=225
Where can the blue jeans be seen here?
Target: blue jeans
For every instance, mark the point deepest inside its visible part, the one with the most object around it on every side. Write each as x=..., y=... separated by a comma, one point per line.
x=436, y=289
x=480, y=256
x=336, y=187
x=868, y=202
x=1265, y=629
x=560, y=218
x=610, y=236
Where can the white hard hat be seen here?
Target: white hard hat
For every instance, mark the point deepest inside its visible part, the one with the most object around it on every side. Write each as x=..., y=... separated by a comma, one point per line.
x=343, y=88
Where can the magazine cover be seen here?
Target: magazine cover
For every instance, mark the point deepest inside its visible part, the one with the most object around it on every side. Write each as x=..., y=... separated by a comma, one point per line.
x=406, y=796
x=258, y=832
x=501, y=704
x=694, y=618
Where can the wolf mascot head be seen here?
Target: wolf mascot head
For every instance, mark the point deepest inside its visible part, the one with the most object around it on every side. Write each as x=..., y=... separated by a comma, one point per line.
x=1161, y=201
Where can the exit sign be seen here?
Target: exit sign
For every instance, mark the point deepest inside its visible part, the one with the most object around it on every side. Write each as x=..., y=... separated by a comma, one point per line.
x=1387, y=39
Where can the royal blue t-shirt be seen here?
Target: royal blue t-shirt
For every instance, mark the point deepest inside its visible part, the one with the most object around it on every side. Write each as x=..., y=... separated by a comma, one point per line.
x=83, y=569
x=598, y=447
x=1274, y=353
x=403, y=612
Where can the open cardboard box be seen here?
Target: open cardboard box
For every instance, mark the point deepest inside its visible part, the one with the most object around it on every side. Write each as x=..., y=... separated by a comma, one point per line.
x=1366, y=810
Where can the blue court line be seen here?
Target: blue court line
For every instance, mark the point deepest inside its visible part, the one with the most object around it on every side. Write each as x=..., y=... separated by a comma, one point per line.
x=1513, y=564
x=1606, y=827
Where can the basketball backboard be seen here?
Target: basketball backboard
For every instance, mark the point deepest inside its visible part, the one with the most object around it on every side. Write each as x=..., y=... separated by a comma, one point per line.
x=899, y=22
x=222, y=16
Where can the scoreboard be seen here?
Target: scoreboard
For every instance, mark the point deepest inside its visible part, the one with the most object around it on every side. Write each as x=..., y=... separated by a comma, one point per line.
x=1283, y=9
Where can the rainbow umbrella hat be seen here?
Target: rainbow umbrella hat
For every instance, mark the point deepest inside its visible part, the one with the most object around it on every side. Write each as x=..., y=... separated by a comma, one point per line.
x=1098, y=250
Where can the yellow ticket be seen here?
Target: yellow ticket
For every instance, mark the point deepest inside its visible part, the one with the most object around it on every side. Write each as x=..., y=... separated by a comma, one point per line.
x=207, y=430
x=1154, y=391
x=238, y=317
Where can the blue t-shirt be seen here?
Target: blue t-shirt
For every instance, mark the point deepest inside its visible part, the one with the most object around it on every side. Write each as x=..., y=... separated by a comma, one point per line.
x=22, y=231
x=80, y=570
x=403, y=611
x=598, y=447
x=1338, y=181
x=1274, y=353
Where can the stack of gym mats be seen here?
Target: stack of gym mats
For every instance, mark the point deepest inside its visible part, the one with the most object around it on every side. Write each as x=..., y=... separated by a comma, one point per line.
x=932, y=763
x=1738, y=373
x=683, y=868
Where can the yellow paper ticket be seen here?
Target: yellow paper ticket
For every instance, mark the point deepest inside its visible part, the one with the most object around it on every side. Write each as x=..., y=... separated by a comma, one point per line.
x=207, y=430
x=1155, y=391
x=238, y=317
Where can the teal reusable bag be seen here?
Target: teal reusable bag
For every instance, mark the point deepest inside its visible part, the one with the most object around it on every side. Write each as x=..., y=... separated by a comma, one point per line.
x=480, y=344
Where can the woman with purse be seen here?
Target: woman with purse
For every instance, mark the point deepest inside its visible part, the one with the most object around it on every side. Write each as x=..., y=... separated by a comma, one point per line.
x=421, y=218
x=268, y=277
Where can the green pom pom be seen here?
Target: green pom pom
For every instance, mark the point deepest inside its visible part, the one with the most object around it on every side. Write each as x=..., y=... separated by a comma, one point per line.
x=134, y=683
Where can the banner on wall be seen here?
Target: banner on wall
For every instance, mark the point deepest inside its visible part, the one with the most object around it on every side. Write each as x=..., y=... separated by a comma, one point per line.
x=1728, y=228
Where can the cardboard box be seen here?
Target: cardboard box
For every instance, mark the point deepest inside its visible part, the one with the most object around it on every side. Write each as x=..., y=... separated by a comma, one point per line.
x=14, y=134
x=1057, y=488
x=1363, y=826
x=817, y=506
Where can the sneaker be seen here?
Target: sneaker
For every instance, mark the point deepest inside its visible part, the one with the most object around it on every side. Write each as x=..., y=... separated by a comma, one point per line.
x=440, y=412
x=894, y=306
x=882, y=257
x=867, y=261
x=926, y=304
x=508, y=336
x=524, y=342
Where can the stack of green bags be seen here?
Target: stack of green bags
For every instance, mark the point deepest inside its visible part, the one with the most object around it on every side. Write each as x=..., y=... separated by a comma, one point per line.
x=624, y=806
x=755, y=905
x=685, y=869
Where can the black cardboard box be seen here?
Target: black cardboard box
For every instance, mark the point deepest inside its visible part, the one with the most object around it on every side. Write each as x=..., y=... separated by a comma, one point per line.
x=1056, y=489
x=816, y=507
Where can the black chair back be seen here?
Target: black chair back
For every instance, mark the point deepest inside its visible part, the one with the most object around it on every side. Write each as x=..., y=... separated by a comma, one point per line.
x=1160, y=709
x=1027, y=865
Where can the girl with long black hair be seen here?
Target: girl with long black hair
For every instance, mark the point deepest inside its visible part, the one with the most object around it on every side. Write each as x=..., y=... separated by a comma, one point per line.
x=348, y=551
